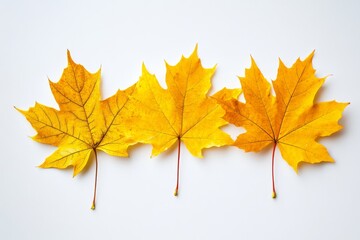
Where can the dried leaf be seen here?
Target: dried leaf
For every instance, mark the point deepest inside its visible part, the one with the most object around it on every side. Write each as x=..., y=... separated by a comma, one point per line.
x=84, y=124
x=291, y=120
x=183, y=112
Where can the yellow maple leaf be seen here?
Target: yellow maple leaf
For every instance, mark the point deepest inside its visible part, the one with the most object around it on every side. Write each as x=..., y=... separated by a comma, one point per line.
x=291, y=120
x=84, y=124
x=183, y=112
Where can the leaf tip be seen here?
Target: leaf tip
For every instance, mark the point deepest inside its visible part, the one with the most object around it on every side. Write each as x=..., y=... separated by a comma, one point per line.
x=68, y=54
x=18, y=109
x=76, y=172
x=312, y=53
x=214, y=67
x=144, y=69
x=195, y=52
x=34, y=138
x=281, y=64
x=253, y=65
x=70, y=60
x=251, y=57
x=196, y=47
x=42, y=165
x=308, y=58
x=51, y=83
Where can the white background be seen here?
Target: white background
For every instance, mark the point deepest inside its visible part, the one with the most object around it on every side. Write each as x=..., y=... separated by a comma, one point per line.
x=226, y=195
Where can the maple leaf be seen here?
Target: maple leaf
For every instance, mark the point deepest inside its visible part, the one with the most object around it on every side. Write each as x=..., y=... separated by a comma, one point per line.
x=84, y=124
x=183, y=112
x=291, y=120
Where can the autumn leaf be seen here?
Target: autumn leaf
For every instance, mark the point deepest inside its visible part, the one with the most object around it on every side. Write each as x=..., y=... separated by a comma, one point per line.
x=84, y=124
x=291, y=120
x=182, y=112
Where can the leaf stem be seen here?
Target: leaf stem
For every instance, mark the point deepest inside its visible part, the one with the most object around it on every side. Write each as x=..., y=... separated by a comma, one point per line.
x=178, y=169
x=272, y=171
x=96, y=174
